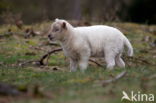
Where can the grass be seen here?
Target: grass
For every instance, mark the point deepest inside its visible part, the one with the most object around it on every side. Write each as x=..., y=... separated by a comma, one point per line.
x=77, y=87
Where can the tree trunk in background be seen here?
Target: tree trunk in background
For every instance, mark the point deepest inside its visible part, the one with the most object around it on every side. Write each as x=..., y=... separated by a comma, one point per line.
x=76, y=10
x=32, y=11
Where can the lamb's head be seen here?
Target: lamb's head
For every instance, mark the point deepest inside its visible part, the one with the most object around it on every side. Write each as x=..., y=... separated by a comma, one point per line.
x=58, y=30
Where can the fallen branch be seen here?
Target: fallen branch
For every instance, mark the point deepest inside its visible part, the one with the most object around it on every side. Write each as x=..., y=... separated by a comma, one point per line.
x=41, y=61
x=8, y=90
x=26, y=62
x=6, y=34
x=140, y=60
x=52, y=44
x=29, y=32
x=105, y=82
x=46, y=56
x=98, y=64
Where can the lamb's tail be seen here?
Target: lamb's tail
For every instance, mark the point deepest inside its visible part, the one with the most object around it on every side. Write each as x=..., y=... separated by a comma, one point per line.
x=129, y=46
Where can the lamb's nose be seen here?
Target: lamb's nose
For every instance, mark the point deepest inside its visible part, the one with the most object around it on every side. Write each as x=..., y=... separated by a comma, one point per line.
x=49, y=36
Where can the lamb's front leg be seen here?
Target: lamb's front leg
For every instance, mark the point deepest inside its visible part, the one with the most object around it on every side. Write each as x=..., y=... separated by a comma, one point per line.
x=83, y=63
x=73, y=65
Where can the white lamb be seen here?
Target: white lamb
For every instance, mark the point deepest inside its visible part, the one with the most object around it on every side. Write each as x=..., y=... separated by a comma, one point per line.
x=81, y=43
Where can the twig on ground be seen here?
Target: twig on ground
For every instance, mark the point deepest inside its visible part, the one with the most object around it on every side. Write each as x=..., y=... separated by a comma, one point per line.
x=98, y=64
x=53, y=43
x=26, y=62
x=29, y=32
x=140, y=60
x=6, y=34
x=46, y=56
x=105, y=82
x=41, y=61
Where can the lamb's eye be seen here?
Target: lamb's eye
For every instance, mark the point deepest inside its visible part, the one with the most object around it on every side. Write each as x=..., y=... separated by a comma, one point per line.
x=56, y=29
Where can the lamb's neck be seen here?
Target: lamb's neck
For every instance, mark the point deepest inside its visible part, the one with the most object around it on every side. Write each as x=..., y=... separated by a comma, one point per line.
x=68, y=39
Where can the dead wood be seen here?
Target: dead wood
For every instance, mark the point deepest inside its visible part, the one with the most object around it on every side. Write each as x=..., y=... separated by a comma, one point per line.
x=7, y=34
x=41, y=61
x=29, y=32
x=105, y=82
x=46, y=56
x=19, y=24
x=139, y=60
x=26, y=62
x=98, y=64
x=8, y=90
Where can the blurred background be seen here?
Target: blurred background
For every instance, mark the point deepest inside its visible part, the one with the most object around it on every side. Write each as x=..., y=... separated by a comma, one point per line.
x=35, y=70
x=32, y=11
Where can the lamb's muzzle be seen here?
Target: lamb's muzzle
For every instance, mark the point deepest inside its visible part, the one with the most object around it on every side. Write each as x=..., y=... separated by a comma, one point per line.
x=50, y=37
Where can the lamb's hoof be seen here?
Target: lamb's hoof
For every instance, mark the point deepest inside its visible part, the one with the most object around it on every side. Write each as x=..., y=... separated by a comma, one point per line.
x=110, y=69
x=72, y=70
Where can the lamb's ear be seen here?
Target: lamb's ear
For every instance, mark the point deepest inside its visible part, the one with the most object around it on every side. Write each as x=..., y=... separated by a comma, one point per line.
x=64, y=26
x=56, y=19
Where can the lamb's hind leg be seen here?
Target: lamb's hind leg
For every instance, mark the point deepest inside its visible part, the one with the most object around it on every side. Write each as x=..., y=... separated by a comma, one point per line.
x=110, y=60
x=120, y=63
